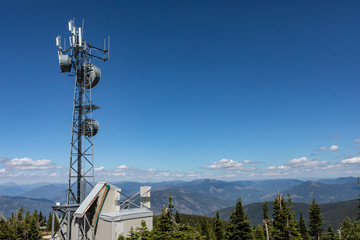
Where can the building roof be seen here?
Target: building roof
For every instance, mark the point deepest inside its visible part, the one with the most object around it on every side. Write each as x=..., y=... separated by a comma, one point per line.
x=85, y=205
x=126, y=214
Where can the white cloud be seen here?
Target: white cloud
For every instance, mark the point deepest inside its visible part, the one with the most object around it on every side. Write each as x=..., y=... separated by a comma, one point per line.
x=226, y=164
x=99, y=168
x=322, y=149
x=334, y=148
x=304, y=162
x=331, y=166
x=27, y=164
x=230, y=165
x=124, y=172
x=281, y=167
x=295, y=166
x=331, y=148
x=357, y=140
x=351, y=160
x=122, y=167
x=271, y=174
x=119, y=174
x=192, y=174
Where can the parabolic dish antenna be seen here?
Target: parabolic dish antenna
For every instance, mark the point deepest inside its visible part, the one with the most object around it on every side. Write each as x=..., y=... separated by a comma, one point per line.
x=89, y=127
x=91, y=75
x=65, y=63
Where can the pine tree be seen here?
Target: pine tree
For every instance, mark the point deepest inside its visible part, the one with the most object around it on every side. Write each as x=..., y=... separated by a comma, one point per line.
x=265, y=211
x=303, y=229
x=346, y=229
x=218, y=228
x=143, y=231
x=121, y=237
x=349, y=229
x=240, y=227
x=27, y=218
x=12, y=225
x=19, y=224
x=34, y=230
x=259, y=233
x=207, y=230
x=177, y=217
x=315, y=220
x=285, y=225
x=133, y=235
x=49, y=222
x=41, y=219
x=330, y=235
x=266, y=221
x=5, y=231
x=165, y=222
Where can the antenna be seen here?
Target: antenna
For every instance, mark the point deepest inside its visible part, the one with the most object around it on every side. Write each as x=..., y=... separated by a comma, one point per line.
x=109, y=47
x=71, y=22
x=80, y=37
x=58, y=41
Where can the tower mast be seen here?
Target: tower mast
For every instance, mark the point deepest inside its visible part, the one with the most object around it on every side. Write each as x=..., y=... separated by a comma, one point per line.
x=76, y=60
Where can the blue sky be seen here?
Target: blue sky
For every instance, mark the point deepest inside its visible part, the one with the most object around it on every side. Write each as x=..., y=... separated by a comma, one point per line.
x=219, y=89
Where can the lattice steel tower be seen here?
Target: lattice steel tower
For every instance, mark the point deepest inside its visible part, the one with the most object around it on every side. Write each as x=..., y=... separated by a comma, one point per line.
x=77, y=60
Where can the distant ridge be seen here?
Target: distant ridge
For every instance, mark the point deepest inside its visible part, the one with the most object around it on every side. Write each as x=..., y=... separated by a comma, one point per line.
x=9, y=205
x=203, y=196
x=333, y=213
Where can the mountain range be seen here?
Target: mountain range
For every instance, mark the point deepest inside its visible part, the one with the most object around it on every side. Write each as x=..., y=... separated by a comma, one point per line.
x=203, y=196
x=333, y=213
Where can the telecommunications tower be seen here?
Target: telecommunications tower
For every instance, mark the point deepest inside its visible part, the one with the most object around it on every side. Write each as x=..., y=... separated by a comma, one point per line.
x=77, y=60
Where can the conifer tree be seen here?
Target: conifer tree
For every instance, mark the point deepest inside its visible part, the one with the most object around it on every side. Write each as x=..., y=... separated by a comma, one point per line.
x=19, y=224
x=266, y=220
x=165, y=222
x=34, y=230
x=12, y=225
x=303, y=229
x=143, y=231
x=41, y=219
x=48, y=223
x=207, y=230
x=346, y=229
x=27, y=218
x=240, y=227
x=315, y=220
x=330, y=235
x=167, y=228
x=5, y=231
x=265, y=211
x=133, y=235
x=285, y=225
x=177, y=217
x=218, y=228
x=259, y=233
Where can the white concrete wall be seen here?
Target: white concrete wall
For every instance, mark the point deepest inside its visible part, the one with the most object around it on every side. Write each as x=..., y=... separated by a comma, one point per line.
x=109, y=204
x=124, y=227
x=104, y=230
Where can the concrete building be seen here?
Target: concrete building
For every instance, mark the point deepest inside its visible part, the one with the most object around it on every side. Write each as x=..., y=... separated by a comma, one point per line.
x=106, y=213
